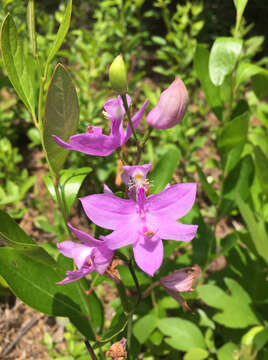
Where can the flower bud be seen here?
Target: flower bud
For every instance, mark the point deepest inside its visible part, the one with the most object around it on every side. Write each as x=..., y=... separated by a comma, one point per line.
x=171, y=106
x=181, y=280
x=118, y=75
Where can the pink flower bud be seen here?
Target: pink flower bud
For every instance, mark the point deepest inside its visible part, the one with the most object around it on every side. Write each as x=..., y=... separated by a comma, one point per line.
x=171, y=106
x=181, y=281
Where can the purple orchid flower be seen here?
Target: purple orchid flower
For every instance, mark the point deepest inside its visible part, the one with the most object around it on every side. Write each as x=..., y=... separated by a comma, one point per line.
x=91, y=255
x=145, y=221
x=94, y=142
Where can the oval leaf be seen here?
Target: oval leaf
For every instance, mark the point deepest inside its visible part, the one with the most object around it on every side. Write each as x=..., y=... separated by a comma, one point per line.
x=164, y=169
x=16, y=64
x=63, y=29
x=201, y=60
x=223, y=57
x=61, y=115
x=182, y=334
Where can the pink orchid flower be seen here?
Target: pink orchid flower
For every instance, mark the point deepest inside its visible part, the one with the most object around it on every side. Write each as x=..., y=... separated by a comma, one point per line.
x=91, y=255
x=143, y=222
x=94, y=142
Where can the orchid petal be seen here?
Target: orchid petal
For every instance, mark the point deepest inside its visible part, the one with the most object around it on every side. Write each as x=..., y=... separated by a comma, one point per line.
x=75, y=275
x=109, y=211
x=174, y=202
x=102, y=257
x=148, y=254
x=91, y=143
x=78, y=252
x=84, y=237
x=127, y=235
x=172, y=230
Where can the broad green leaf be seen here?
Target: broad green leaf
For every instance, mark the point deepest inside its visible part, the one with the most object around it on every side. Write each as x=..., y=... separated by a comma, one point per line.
x=61, y=115
x=260, y=84
x=201, y=59
x=204, y=236
x=259, y=139
x=196, y=354
x=227, y=243
x=240, y=7
x=143, y=328
x=223, y=57
x=262, y=113
x=12, y=234
x=256, y=227
x=261, y=163
x=227, y=352
x=161, y=175
x=70, y=181
x=181, y=334
x=208, y=188
x=32, y=278
x=63, y=29
x=238, y=181
x=233, y=133
x=232, y=157
x=31, y=25
x=245, y=71
x=16, y=64
x=92, y=302
x=235, y=309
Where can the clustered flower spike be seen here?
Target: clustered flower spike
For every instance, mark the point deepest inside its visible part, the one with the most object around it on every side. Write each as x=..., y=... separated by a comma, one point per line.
x=144, y=221
x=91, y=255
x=94, y=142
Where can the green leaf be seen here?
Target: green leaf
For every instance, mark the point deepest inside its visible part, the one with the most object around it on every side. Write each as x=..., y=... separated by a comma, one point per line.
x=162, y=173
x=63, y=29
x=118, y=324
x=143, y=328
x=260, y=84
x=201, y=60
x=196, y=354
x=235, y=308
x=227, y=352
x=261, y=163
x=12, y=234
x=182, y=334
x=31, y=25
x=208, y=188
x=240, y=7
x=223, y=57
x=256, y=227
x=233, y=133
x=227, y=243
x=238, y=181
x=245, y=71
x=61, y=115
x=32, y=276
x=70, y=181
x=16, y=63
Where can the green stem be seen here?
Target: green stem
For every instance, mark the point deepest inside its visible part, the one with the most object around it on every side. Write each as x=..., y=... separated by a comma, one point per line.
x=90, y=350
x=124, y=98
x=123, y=296
x=143, y=142
x=130, y=315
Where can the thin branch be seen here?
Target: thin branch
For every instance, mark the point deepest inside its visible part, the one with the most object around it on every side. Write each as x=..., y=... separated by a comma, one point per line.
x=90, y=350
x=21, y=333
